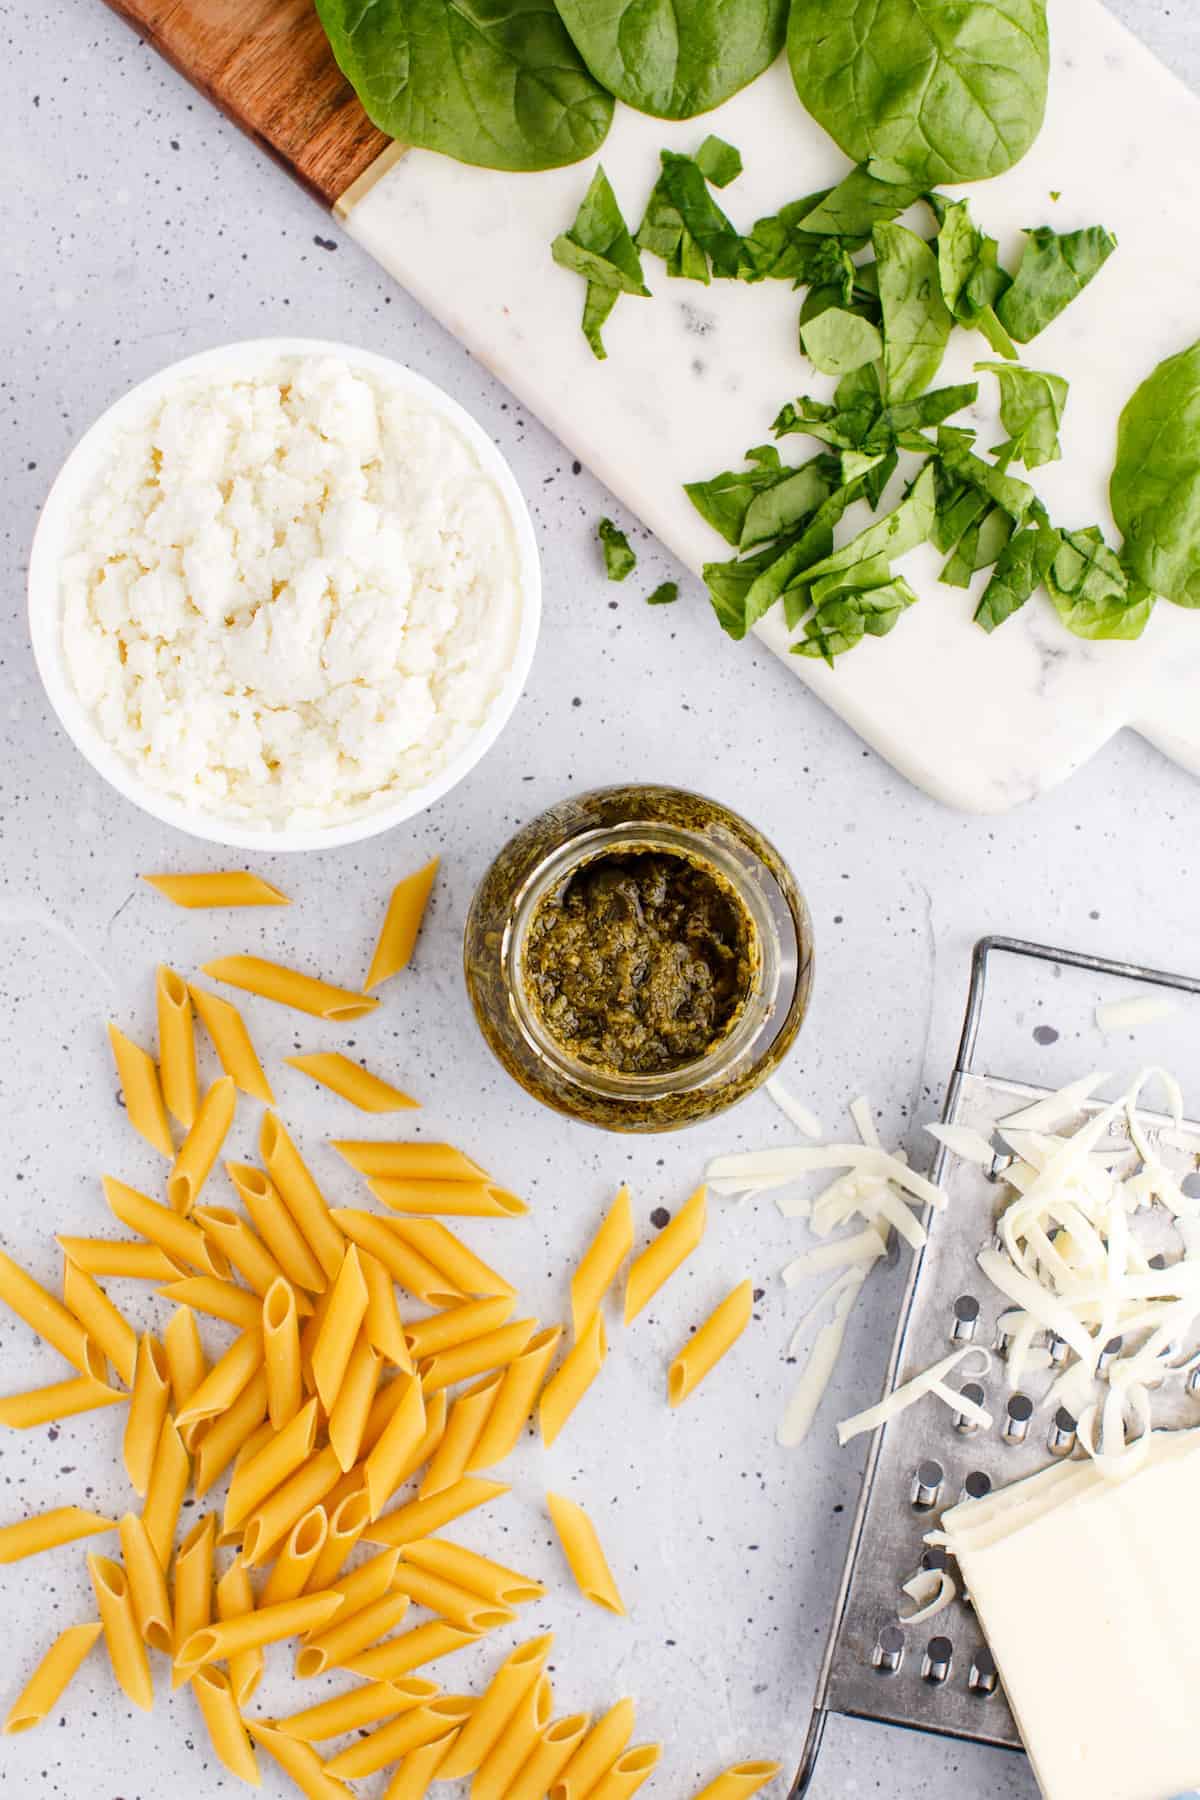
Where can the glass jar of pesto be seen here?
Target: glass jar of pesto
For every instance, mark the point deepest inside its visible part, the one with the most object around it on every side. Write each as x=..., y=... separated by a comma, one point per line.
x=639, y=957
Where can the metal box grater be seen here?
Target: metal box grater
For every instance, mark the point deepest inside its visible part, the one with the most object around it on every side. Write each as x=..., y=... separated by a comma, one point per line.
x=939, y=1676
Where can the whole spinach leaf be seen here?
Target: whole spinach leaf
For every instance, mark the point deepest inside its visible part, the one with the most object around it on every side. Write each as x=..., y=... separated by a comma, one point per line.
x=838, y=342
x=493, y=82
x=675, y=58
x=916, y=320
x=1155, y=485
x=1092, y=593
x=1021, y=567
x=599, y=247
x=1032, y=403
x=684, y=225
x=924, y=90
x=1054, y=269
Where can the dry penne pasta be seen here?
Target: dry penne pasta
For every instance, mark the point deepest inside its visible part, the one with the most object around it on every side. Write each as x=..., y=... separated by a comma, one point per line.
x=147, y=1410
x=244, y=1248
x=281, y=1353
x=390, y=1396
x=61, y=1399
x=52, y=1676
x=176, y=1047
x=401, y=924
x=581, y=1547
x=601, y=1262
x=147, y=1585
x=279, y=1512
x=288, y=987
x=300, y=1761
x=388, y=1462
x=456, y=1325
x=218, y=887
x=412, y=1729
x=224, y=1434
x=705, y=1348
x=630, y=1771
x=515, y=1398
x=549, y=1757
x=411, y=1650
x=418, y=1769
x=464, y=1422
x=193, y=1586
x=739, y=1782
x=185, y=1358
x=348, y=1638
x=465, y=1271
x=276, y=1227
x=420, y=1517
x=283, y=1452
x=514, y=1746
x=295, y=1562
x=461, y=1199
x=350, y=1081
x=43, y=1313
x=182, y=1241
x=118, y=1256
x=339, y=1328
x=659, y=1260
x=107, y=1328
x=571, y=1381
x=47, y=1530
x=347, y=1521
x=233, y=1044
x=491, y=1350
x=138, y=1076
x=404, y=1264
x=366, y=1584
x=227, y=1377
x=408, y=1161
x=255, y=1630
x=201, y=1146
x=364, y=1705
x=301, y=1196
x=126, y=1652
x=458, y=1606
x=219, y=1299
x=517, y=1676
x=235, y=1596
x=382, y=1325
x=597, y=1753
x=165, y=1490
x=227, y=1733
x=348, y=1418
x=467, y=1569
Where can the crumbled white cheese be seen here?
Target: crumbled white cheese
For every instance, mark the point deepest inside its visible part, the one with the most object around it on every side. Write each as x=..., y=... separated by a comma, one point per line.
x=1138, y=1009
x=291, y=599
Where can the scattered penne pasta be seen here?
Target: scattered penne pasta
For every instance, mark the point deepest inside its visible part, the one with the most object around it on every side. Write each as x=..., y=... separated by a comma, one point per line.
x=193, y=1587
x=624, y=1777
x=281, y=1352
x=47, y=1530
x=221, y=887
x=62, y=1399
x=458, y=1606
x=244, y=1249
x=142, y=1094
x=166, y=1489
x=288, y=987
x=515, y=1399
x=571, y=1381
x=176, y=1047
x=464, y=1422
x=260, y=1475
x=464, y=1271
x=255, y=1630
x=276, y=1227
x=518, y=1675
x=459, y=1199
x=382, y=1325
x=226, y=1434
x=462, y=1362
x=467, y=1569
x=201, y=1146
x=719, y=1332
x=279, y=1512
x=147, y=1585
x=235, y=1596
x=581, y=1547
x=421, y=1517
x=226, y=1729
x=299, y=1761
x=409, y=1732
x=739, y=1782
x=348, y=1519
x=297, y=1559
x=52, y=1677
x=186, y=1361
x=339, y=1327
x=597, y=1753
x=178, y=1237
x=409, y=1161
x=350, y=1636
x=404, y=1264
x=550, y=1755
x=411, y=1650
x=119, y=1256
x=219, y=1299
x=658, y=1261
x=301, y=1196
x=350, y=1411
x=126, y=1652
x=364, y=1705
x=350, y=1081
x=107, y=1328
x=227, y=1377
x=401, y=925
x=233, y=1044
x=514, y=1746
x=391, y=1459
x=418, y=1769
x=601, y=1263
x=43, y=1314
x=457, y=1325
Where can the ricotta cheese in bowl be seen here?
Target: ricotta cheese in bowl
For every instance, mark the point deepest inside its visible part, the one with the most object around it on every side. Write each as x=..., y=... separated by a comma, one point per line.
x=284, y=592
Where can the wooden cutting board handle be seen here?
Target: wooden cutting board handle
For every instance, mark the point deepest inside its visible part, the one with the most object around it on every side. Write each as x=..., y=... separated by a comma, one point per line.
x=268, y=65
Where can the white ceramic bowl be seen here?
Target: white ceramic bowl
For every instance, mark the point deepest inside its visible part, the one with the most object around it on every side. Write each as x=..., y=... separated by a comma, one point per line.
x=77, y=476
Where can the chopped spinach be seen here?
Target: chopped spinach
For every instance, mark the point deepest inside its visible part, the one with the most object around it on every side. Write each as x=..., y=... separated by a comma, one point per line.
x=599, y=247
x=718, y=162
x=907, y=525
x=665, y=594
x=619, y=559
x=1032, y=403
x=916, y=320
x=1054, y=269
x=1093, y=594
x=675, y=58
x=970, y=274
x=841, y=622
x=684, y=225
x=837, y=342
x=1155, y=485
x=1021, y=567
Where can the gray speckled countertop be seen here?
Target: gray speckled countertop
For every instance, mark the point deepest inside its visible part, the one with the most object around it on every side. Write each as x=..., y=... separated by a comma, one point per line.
x=140, y=227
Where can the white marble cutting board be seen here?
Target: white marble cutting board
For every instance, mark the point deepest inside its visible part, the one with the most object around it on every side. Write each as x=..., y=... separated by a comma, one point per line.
x=696, y=374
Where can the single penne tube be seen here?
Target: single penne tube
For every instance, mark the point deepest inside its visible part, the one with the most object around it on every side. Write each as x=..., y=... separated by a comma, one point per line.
x=43, y=1313
x=420, y=1517
x=458, y=1199
x=549, y=1757
x=193, y=1586
x=176, y=1047
x=464, y=1423
x=219, y=1299
x=227, y=1733
x=60, y=1400
x=284, y=1451
x=233, y=1044
x=467, y=1569
x=401, y=924
x=515, y=1744
x=165, y=1490
x=427, y=1443
x=299, y=1761
x=411, y=1650
x=412, y=1729
x=366, y=1584
x=513, y=1405
x=185, y=1358
x=147, y=1409
x=458, y=1606
x=457, y=1324
x=350, y=1081
x=624, y=1777
x=301, y=1196
x=279, y=1512
x=597, y=1753
x=288, y=987
x=255, y=1630
x=201, y=1146
x=235, y=1597
x=243, y=1247
x=347, y=1521
x=348, y=1418
x=408, y=1161
x=347, y=1638
x=276, y=1227
x=281, y=1352
x=119, y=1256
x=705, y=1348
x=491, y=1350
x=601, y=1262
x=404, y=1264
x=382, y=1325
x=571, y=1381
x=364, y=1705
x=388, y=1460
x=221, y=1437
x=47, y=1530
x=182, y=1241
x=292, y=1567
x=227, y=1377
x=107, y=1328
x=126, y=1652
x=218, y=887
x=144, y=1107
x=415, y=1772
x=659, y=1260
x=339, y=1328
x=147, y=1585
x=586, y=1559
x=517, y=1676
x=463, y=1270
x=52, y=1677
x=739, y=1782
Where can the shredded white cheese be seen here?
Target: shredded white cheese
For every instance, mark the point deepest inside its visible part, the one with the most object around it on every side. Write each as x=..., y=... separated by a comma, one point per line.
x=929, y=1381
x=931, y=1591
x=1136, y=1010
x=969, y=1145
x=794, y=1109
